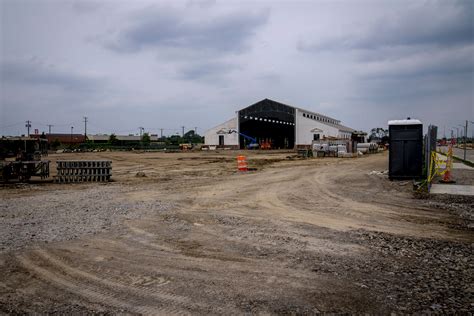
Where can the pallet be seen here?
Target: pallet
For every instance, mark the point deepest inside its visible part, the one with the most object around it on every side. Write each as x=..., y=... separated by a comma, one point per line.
x=71, y=171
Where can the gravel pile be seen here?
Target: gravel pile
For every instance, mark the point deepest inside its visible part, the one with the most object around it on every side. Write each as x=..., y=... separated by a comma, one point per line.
x=420, y=275
x=462, y=206
x=413, y=275
x=67, y=214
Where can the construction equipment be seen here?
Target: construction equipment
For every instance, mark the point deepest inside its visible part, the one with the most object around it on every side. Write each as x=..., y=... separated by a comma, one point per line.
x=266, y=143
x=253, y=141
x=20, y=158
x=186, y=146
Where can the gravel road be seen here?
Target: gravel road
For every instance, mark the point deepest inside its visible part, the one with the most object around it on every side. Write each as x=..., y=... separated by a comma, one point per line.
x=196, y=237
x=67, y=214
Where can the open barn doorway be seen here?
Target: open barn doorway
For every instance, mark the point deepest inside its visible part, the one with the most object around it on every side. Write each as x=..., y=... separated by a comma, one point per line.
x=270, y=123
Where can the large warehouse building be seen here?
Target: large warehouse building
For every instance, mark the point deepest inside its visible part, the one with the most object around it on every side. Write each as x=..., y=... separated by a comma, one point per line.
x=275, y=125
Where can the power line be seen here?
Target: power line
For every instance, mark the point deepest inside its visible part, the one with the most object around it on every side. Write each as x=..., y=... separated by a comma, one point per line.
x=56, y=124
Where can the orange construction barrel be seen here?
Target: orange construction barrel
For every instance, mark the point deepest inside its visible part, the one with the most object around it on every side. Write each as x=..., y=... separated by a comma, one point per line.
x=242, y=163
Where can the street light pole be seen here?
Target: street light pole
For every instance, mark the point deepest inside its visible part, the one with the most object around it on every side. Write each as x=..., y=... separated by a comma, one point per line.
x=465, y=139
x=457, y=134
x=472, y=137
x=72, y=128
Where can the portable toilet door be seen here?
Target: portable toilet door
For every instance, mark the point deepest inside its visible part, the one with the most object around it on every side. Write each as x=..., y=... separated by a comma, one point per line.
x=406, y=149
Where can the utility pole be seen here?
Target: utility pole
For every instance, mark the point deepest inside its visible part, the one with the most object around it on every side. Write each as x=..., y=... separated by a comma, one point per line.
x=465, y=141
x=183, y=130
x=161, y=133
x=28, y=126
x=85, y=128
x=72, y=128
x=49, y=128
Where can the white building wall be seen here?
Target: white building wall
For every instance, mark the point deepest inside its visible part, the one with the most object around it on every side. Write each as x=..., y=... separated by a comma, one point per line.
x=344, y=134
x=211, y=137
x=297, y=123
x=304, y=125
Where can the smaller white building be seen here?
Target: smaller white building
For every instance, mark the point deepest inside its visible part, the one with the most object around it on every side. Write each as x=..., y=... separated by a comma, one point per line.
x=220, y=136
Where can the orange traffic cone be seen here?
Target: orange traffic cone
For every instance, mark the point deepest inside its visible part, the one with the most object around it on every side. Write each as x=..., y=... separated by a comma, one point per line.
x=242, y=163
x=449, y=163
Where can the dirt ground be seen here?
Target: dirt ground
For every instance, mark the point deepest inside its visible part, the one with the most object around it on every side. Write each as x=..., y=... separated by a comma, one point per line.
x=194, y=236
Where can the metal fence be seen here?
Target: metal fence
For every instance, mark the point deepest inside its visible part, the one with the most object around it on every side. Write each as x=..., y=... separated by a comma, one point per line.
x=430, y=145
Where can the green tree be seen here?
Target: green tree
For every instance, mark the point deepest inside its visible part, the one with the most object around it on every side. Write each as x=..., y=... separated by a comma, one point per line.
x=175, y=140
x=146, y=139
x=192, y=137
x=378, y=134
x=55, y=144
x=113, y=140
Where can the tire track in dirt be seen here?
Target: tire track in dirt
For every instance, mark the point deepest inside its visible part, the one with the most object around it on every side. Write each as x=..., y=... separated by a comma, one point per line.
x=187, y=250
x=102, y=289
x=81, y=289
x=143, y=237
x=386, y=215
x=307, y=193
x=308, y=201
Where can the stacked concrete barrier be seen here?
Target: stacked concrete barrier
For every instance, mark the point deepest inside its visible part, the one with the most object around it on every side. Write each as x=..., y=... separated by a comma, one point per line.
x=69, y=171
x=367, y=148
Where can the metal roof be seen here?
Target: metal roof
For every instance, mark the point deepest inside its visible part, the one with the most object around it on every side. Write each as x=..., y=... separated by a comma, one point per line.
x=338, y=126
x=404, y=122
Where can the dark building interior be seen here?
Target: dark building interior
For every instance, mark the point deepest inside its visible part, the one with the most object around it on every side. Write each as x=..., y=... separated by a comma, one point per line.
x=271, y=123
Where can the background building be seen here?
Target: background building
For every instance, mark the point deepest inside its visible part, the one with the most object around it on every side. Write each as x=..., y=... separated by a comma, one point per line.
x=276, y=124
x=122, y=139
x=64, y=139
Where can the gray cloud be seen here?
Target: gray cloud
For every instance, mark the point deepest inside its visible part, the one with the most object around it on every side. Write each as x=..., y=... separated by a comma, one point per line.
x=126, y=64
x=172, y=29
x=449, y=61
x=38, y=73
x=86, y=6
x=411, y=61
x=201, y=3
x=435, y=24
x=205, y=70
x=269, y=77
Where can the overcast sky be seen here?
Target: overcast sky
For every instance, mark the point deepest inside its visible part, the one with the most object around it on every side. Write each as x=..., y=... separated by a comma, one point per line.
x=126, y=64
